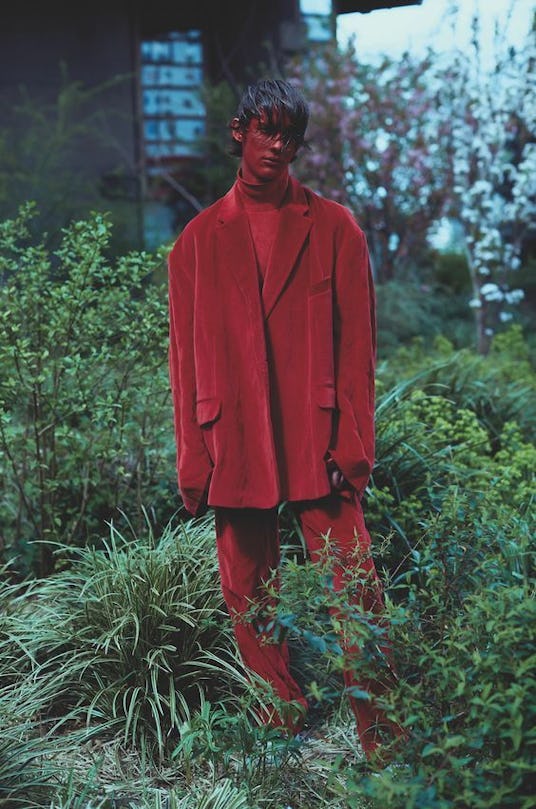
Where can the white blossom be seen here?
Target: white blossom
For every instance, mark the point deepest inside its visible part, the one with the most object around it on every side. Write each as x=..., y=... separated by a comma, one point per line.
x=514, y=296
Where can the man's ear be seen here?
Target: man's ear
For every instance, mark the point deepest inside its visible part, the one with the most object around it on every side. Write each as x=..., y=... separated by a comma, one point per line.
x=237, y=133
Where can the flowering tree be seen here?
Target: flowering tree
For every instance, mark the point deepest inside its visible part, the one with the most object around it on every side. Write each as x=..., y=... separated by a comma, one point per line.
x=493, y=154
x=375, y=137
x=407, y=141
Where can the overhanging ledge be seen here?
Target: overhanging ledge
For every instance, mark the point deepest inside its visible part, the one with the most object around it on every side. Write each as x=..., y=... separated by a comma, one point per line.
x=364, y=6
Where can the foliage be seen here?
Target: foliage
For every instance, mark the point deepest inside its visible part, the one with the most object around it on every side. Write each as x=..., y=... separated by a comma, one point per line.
x=219, y=741
x=31, y=766
x=85, y=422
x=465, y=638
x=449, y=417
x=124, y=654
x=462, y=617
x=451, y=270
x=128, y=647
x=407, y=310
x=454, y=491
x=20, y=773
x=498, y=388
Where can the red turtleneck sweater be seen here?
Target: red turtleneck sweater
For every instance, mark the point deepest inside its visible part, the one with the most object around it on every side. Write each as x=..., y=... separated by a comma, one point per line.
x=262, y=203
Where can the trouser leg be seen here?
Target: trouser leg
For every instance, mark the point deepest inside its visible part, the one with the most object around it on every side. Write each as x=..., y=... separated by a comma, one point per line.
x=350, y=554
x=248, y=554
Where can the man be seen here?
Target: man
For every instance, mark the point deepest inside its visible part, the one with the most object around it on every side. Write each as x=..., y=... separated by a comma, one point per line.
x=272, y=350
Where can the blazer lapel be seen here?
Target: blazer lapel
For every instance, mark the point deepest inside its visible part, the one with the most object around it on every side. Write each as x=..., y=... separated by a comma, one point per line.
x=234, y=248
x=294, y=225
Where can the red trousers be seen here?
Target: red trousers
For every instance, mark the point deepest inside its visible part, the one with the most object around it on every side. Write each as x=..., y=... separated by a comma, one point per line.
x=248, y=552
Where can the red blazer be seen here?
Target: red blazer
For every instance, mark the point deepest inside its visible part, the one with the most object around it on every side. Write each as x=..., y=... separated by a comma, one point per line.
x=266, y=381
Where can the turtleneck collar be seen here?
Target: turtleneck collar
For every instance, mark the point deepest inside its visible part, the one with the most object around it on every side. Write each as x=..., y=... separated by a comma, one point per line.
x=265, y=195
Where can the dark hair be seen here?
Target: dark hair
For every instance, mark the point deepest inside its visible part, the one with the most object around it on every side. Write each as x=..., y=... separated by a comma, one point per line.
x=273, y=97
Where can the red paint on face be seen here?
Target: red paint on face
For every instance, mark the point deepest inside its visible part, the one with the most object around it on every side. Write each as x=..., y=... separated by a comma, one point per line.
x=264, y=157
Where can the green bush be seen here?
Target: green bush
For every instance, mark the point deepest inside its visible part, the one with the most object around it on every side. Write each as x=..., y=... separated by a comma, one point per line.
x=451, y=270
x=85, y=419
x=499, y=387
x=407, y=310
x=465, y=639
x=446, y=417
x=463, y=626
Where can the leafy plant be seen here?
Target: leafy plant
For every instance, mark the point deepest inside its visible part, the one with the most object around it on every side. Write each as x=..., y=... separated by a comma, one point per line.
x=85, y=423
x=498, y=388
x=409, y=310
x=465, y=641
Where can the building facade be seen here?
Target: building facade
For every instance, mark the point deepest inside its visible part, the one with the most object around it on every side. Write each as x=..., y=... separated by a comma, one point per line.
x=144, y=66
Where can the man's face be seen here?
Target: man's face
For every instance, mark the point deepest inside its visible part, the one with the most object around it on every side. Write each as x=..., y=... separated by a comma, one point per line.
x=267, y=149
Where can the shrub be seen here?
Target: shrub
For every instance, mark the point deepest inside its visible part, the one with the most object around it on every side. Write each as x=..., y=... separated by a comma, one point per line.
x=462, y=617
x=500, y=387
x=424, y=445
x=452, y=271
x=447, y=417
x=409, y=310
x=465, y=641
x=85, y=422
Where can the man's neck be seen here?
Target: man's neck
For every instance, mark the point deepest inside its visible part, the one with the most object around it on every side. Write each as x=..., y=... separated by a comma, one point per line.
x=267, y=194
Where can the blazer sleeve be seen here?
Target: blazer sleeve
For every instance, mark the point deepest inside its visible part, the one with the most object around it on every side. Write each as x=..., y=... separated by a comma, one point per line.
x=355, y=356
x=194, y=467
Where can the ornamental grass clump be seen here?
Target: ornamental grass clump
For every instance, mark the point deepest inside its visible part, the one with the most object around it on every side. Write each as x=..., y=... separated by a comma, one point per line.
x=130, y=634
x=24, y=781
x=32, y=755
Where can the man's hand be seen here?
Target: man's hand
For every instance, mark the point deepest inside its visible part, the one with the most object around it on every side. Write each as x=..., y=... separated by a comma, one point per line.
x=336, y=478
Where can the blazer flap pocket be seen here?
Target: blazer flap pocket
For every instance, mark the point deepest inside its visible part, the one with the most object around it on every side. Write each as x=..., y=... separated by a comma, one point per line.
x=326, y=396
x=208, y=411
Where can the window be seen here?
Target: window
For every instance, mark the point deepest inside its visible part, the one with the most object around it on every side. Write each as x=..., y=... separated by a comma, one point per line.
x=173, y=110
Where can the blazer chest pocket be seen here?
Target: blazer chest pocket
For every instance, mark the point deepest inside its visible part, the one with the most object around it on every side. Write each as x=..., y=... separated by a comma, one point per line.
x=321, y=286
x=208, y=411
